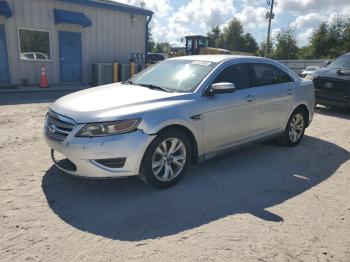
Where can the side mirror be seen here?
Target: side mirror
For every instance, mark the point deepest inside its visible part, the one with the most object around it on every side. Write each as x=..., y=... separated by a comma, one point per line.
x=326, y=63
x=221, y=88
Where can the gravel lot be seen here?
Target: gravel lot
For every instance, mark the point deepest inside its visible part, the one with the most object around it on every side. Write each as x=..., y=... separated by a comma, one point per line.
x=260, y=203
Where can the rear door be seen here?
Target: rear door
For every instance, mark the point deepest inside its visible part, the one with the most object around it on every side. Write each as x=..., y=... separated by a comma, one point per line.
x=274, y=90
x=4, y=66
x=333, y=90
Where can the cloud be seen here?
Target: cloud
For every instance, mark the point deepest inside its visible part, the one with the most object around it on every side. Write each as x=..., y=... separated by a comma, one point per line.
x=275, y=32
x=203, y=14
x=304, y=37
x=172, y=32
x=307, y=6
x=252, y=17
x=308, y=20
x=197, y=16
x=306, y=24
x=161, y=8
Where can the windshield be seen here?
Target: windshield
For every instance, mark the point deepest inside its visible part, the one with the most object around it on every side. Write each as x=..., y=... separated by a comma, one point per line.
x=174, y=75
x=342, y=62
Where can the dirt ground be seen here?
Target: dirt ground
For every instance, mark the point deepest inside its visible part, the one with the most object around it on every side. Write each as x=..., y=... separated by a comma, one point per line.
x=260, y=203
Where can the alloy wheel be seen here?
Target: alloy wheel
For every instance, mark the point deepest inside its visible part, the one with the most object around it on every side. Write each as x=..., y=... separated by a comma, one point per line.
x=169, y=159
x=296, y=128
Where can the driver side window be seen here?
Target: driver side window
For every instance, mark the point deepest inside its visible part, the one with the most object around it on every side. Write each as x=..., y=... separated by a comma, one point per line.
x=236, y=74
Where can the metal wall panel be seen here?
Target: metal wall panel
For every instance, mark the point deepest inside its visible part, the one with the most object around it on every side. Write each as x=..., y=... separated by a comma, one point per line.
x=113, y=36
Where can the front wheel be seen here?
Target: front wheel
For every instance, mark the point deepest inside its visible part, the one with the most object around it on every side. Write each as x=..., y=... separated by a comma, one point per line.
x=295, y=129
x=166, y=160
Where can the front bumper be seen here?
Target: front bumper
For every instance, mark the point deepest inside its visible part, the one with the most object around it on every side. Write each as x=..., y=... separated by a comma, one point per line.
x=84, y=151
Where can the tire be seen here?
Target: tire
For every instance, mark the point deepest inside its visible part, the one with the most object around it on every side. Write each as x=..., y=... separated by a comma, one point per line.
x=295, y=129
x=166, y=159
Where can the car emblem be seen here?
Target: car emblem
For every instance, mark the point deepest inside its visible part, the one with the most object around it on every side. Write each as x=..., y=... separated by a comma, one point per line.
x=52, y=128
x=328, y=85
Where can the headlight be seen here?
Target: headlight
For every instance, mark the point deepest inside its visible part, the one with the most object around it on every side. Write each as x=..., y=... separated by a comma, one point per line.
x=310, y=76
x=109, y=128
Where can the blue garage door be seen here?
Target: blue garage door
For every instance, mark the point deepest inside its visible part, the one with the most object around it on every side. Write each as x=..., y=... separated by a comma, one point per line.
x=4, y=65
x=71, y=56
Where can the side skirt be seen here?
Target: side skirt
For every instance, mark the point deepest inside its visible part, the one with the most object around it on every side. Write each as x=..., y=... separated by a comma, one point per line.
x=237, y=146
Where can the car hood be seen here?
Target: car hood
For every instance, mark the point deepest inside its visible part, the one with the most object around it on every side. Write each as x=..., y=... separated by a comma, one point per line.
x=114, y=102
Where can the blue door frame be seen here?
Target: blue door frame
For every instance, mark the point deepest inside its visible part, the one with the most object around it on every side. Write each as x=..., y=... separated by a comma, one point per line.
x=4, y=63
x=70, y=57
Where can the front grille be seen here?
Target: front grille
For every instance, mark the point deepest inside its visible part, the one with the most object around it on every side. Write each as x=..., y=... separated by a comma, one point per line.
x=58, y=127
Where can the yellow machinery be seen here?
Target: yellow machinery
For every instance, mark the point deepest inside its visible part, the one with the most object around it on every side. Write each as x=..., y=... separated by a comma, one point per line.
x=199, y=45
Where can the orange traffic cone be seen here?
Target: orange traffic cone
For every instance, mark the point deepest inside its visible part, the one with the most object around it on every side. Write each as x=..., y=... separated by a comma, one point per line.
x=43, y=79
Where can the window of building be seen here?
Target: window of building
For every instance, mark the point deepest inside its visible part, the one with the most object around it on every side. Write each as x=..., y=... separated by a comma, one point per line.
x=34, y=45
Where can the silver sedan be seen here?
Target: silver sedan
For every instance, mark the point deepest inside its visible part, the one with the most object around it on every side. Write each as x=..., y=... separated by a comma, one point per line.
x=177, y=112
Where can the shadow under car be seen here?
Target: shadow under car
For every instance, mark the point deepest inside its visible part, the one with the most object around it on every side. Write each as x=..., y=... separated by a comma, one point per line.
x=248, y=180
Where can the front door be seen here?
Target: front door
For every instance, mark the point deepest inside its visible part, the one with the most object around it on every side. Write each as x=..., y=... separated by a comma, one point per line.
x=4, y=65
x=70, y=57
x=230, y=119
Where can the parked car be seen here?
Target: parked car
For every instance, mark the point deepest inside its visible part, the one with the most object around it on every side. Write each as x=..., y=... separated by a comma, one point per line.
x=34, y=56
x=153, y=58
x=309, y=70
x=332, y=83
x=179, y=111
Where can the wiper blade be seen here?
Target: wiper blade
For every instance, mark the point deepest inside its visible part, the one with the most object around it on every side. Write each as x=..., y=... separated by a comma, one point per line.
x=154, y=87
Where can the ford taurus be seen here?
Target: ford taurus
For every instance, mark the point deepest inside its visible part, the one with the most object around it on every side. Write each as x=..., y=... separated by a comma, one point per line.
x=177, y=112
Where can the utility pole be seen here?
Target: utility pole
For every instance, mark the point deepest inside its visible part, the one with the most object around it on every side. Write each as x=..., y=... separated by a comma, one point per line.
x=142, y=3
x=269, y=15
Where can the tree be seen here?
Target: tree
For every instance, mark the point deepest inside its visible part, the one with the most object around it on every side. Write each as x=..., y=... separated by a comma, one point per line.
x=331, y=40
x=261, y=48
x=214, y=35
x=150, y=42
x=232, y=38
x=319, y=42
x=305, y=53
x=163, y=47
x=250, y=45
x=286, y=45
x=346, y=36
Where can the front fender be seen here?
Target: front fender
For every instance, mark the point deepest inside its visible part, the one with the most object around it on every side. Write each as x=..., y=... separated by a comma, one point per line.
x=152, y=127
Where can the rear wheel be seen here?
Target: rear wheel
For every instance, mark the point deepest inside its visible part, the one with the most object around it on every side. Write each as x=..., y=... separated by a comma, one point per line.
x=295, y=129
x=166, y=160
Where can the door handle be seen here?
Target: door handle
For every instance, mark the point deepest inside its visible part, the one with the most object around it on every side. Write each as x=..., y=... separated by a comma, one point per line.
x=290, y=92
x=249, y=98
x=62, y=59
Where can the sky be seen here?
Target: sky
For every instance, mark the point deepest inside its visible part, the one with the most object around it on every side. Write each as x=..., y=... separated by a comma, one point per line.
x=174, y=19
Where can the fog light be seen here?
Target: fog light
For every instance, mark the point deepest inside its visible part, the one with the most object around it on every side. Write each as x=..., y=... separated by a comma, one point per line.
x=112, y=162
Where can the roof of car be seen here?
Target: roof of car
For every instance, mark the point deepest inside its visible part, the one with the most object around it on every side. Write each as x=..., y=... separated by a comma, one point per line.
x=218, y=58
